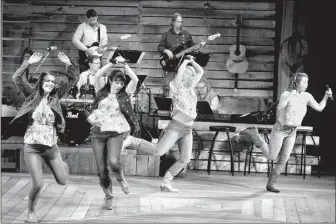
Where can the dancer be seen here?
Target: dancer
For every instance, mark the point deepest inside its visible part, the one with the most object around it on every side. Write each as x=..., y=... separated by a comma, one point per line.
x=113, y=119
x=206, y=93
x=291, y=110
x=42, y=113
x=182, y=90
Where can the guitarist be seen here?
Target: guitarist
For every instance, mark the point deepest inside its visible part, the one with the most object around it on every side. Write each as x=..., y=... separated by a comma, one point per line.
x=174, y=37
x=86, y=34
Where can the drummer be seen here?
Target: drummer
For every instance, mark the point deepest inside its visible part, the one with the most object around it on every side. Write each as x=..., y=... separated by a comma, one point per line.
x=88, y=76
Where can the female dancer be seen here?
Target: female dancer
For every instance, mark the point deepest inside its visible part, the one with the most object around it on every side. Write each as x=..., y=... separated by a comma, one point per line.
x=113, y=119
x=42, y=112
x=206, y=93
x=291, y=110
x=182, y=90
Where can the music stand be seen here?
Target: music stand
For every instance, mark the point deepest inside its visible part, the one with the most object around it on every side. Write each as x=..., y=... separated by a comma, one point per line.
x=140, y=82
x=204, y=108
x=201, y=58
x=131, y=56
x=163, y=103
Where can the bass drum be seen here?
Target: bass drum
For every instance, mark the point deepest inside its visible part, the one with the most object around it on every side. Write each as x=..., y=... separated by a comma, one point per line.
x=77, y=128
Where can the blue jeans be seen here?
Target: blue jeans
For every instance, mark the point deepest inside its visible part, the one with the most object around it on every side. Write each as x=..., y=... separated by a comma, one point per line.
x=282, y=140
x=107, y=148
x=33, y=155
x=175, y=132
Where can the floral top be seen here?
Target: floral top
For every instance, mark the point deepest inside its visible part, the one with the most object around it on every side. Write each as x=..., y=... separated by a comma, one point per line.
x=184, y=99
x=42, y=130
x=295, y=110
x=109, y=117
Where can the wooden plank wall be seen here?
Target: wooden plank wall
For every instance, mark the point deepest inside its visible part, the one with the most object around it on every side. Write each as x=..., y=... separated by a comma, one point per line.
x=54, y=22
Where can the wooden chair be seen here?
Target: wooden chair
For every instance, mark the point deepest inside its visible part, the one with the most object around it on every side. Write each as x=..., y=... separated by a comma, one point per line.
x=218, y=129
x=264, y=132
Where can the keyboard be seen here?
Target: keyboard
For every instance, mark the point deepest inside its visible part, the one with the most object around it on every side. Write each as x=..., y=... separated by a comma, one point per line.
x=214, y=117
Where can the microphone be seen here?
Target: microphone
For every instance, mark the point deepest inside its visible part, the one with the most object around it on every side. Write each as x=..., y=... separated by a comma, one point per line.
x=331, y=97
x=51, y=48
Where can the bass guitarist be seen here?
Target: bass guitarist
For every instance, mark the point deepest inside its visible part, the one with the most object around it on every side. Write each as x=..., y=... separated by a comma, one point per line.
x=174, y=37
x=87, y=34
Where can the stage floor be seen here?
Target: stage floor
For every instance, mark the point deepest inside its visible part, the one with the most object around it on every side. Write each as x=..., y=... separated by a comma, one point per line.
x=218, y=198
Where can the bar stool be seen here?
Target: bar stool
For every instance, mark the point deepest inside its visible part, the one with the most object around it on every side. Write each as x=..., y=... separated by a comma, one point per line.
x=304, y=134
x=264, y=132
x=218, y=129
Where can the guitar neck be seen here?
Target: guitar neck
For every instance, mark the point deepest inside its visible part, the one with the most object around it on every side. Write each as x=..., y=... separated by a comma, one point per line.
x=110, y=43
x=237, y=52
x=190, y=49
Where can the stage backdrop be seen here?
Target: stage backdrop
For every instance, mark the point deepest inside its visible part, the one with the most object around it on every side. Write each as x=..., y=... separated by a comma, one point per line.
x=49, y=23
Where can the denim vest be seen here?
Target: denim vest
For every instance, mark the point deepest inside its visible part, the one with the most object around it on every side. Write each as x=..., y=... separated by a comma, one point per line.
x=28, y=90
x=126, y=109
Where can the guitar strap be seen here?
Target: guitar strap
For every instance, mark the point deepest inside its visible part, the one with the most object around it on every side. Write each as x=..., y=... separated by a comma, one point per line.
x=183, y=40
x=98, y=39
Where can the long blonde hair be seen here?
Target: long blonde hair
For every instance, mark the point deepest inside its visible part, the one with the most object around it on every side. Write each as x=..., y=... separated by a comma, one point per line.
x=296, y=79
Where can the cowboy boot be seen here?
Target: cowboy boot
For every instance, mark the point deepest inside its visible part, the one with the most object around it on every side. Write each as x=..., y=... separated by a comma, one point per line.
x=146, y=147
x=131, y=142
x=166, y=183
x=271, y=181
x=123, y=184
x=253, y=134
x=31, y=216
x=108, y=197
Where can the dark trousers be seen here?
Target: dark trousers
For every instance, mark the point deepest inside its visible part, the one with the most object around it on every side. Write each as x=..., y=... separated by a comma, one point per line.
x=107, y=148
x=33, y=155
x=82, y=61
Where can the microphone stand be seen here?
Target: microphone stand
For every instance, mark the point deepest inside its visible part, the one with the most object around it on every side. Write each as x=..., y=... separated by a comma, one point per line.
x=41, y=62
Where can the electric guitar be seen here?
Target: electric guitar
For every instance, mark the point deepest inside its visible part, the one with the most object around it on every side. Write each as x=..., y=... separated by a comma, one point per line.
x=237, y=62
x=170, y=65
x=95, y=45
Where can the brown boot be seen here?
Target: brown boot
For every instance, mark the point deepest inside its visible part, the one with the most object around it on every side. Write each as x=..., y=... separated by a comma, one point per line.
x=166, y=183
x=123, y=184
x=108, y=202
x=253, y=134
x=271, y=181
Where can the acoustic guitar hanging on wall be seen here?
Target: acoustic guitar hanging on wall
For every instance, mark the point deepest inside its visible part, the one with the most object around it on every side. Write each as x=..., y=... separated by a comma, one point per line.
x=237, y=62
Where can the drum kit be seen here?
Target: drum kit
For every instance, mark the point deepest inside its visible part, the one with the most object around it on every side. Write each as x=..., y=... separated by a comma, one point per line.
x=75, y=112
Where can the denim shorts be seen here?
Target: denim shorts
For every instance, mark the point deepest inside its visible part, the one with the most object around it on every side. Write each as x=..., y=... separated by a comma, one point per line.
x=42, y=150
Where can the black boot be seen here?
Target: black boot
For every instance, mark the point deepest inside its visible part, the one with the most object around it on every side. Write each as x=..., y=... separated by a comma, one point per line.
x=271, y=181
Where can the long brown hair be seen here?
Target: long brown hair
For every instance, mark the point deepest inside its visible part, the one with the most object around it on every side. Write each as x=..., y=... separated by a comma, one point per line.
x=103, y=92
x=38, y=91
